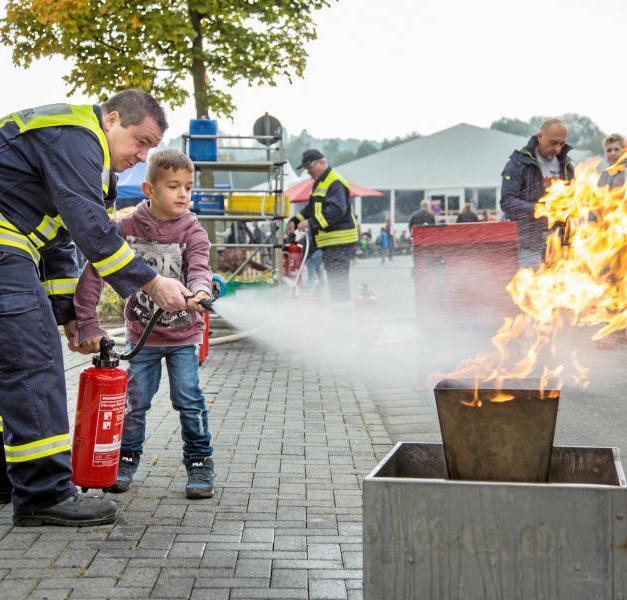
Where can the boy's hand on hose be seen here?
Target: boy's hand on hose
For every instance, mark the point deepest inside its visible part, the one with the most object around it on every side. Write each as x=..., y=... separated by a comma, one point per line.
x=193, y=303
x=92, y=345
x=168, y=293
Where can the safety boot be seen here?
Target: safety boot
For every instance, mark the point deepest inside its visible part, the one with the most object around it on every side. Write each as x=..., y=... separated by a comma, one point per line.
x=129, y=463
x=75, y=511
x=200, y=477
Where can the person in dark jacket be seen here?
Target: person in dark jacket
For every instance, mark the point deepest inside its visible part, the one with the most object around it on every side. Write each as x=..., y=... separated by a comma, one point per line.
x=525, y=179
x=421, y=217
x=467, y=215
x=332, y=223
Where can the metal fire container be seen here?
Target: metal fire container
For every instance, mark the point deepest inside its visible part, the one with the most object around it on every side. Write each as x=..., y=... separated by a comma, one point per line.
x=493, y=434
x=431, y=538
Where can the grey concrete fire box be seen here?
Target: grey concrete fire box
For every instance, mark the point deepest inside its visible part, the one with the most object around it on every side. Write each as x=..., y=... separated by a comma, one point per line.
x=428, y=537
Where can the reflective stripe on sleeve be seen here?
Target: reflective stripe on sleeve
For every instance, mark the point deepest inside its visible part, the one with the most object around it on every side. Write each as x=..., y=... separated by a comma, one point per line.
x=49, y=226
x=54, y=287
x=1, y=425
x=38, y=449
x=17, y=240
x=116, y=261
x=322, y=221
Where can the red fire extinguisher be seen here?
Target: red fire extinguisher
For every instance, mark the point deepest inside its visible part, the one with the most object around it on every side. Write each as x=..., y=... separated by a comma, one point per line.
x=100, y=413
x=218, y=290
x=204, y=345
x=292, y=259
x=99, y=421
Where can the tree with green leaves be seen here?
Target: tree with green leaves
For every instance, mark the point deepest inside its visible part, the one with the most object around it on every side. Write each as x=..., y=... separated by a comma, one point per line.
x=156, y=45
x=515, y=126
x=583, y=132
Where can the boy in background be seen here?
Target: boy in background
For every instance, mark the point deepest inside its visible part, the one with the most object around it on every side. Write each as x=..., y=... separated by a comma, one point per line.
x=172, y=241
x=614, y=175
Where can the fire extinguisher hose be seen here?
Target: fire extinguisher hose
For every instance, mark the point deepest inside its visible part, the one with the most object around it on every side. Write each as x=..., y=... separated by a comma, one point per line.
x=144, y=336
x=206, y=304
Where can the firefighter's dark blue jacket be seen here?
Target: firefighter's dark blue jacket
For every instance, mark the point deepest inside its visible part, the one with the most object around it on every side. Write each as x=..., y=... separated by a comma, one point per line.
x=329, y=212
x=55, y=188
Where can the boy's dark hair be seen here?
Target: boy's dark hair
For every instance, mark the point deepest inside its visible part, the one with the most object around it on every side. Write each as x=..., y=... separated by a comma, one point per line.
x=134, y=106
x=168, y=158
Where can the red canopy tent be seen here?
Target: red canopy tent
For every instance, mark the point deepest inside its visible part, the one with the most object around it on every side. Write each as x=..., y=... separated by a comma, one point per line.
x=301, y=191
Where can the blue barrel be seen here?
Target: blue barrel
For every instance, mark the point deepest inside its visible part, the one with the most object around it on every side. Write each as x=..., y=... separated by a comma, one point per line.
x=203, y=150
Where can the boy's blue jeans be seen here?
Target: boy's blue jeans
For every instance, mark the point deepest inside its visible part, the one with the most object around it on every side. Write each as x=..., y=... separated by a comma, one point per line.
x=187, y=398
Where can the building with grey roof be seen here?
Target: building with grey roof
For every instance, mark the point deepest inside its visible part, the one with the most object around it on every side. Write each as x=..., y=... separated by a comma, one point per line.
x=457, y=165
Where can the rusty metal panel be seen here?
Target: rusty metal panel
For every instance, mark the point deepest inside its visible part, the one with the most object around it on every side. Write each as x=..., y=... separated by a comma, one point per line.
x=497, y=433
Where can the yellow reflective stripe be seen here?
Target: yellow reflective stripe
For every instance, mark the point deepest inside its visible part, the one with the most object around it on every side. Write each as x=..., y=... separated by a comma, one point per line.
x=300, y=217
x=38, y=449
x=17, y=240
x=116, y=261
x=105, y=176
x=49, y=226
x=63, y=114
x=1, y=425
x=322, y=221
x=54, y=287
x=335, y=238
x=6, y=225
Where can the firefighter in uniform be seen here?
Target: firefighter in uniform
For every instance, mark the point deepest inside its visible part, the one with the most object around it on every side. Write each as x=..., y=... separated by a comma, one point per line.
x=57, y=180
x=333, y=224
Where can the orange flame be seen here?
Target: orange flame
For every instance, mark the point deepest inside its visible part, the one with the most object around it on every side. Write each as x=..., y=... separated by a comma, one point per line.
x=581, y=283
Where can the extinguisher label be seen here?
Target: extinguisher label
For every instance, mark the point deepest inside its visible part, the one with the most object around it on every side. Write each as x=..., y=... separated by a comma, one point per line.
x=109, y=430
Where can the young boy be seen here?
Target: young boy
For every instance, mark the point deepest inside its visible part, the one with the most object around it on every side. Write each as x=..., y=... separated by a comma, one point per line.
x=173, y=242
x=614, y=146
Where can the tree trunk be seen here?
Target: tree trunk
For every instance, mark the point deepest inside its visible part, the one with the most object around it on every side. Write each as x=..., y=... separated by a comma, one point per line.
x=205, y=176
x=198, y=69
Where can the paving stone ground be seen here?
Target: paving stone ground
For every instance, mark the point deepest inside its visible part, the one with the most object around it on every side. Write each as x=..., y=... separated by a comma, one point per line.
x=291, y=446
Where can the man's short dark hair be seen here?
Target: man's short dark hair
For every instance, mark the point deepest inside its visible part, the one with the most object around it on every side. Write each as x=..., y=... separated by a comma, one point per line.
x=134, y=106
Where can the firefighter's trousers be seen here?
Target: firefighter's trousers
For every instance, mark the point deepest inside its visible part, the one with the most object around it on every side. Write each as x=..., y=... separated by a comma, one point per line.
x=337, y=261
x=33, y=403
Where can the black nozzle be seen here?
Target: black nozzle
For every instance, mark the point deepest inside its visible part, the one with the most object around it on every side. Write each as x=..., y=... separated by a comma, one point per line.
x=206, y=303
x=108, y=358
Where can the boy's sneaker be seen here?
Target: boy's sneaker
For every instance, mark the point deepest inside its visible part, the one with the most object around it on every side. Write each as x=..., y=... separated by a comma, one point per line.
x=129, y=462
x=200, y=476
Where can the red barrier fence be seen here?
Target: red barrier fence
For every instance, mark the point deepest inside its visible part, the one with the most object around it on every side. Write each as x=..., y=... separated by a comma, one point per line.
x=462, y=270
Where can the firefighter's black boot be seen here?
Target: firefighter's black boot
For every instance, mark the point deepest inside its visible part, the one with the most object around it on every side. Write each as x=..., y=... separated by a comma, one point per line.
x=75, y=511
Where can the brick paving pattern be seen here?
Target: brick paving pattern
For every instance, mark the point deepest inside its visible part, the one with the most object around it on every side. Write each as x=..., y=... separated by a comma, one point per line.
x=291, y=445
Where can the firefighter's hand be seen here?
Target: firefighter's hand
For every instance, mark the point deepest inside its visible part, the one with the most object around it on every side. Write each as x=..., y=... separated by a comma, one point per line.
x=92, y=345
x=71, y=333
x=168, y=293
x=304, y=225
x=193, y=303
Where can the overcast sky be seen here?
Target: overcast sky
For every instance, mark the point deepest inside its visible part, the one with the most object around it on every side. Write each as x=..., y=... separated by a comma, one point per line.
x=382, y=68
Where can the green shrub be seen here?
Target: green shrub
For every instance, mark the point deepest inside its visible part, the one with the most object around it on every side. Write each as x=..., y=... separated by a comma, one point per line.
x=111, y=306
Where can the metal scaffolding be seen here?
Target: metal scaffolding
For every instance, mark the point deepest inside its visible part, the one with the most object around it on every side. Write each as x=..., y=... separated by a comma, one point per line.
x=272, y=166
